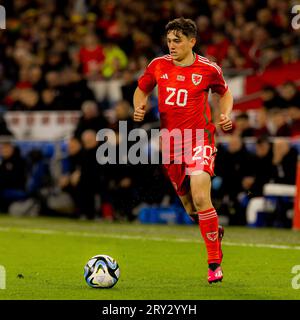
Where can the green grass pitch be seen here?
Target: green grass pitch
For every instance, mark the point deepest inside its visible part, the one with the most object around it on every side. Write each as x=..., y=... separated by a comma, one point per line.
x=44, y=259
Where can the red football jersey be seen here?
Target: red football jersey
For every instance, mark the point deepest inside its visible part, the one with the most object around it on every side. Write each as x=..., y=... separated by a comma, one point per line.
x=183, y=92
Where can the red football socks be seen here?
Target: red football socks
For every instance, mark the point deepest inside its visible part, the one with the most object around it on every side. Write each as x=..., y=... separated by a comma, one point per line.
x=208, y=223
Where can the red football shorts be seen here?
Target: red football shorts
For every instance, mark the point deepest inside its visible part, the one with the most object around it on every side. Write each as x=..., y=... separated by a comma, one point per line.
x=202, y=159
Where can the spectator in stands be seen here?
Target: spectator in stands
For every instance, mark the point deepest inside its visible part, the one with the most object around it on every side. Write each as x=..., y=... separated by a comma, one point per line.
x=52, y=97
x=38, y=173
x=108, y=91
x=278, y=121
x=108, y=22
x=129, y=85
x=91, y=177
x=48, y=99
x=239, y=165
x=235, y=59
x=75, y=90
x=91, y=119
x=54, y=62
x=263, y=166
x=243, y=39
x=91, y=57
x=261, y=123
x=123, y=112
x=270, y=57
x=12, y=176
x=36, y=78
x=69, y=181
x=122, y=183
x=284, y=162
x=259, y=41
x=290, y=94
x=284, y=172
x=204, y=30
x=115, y=61
x=25, y=99
x=68, y=90
x=242, y=126
x=265, y=19
x=271, y=99
x=218, y=50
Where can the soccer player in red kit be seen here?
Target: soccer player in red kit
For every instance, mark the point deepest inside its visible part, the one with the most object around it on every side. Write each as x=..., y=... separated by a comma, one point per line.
x=184, y=79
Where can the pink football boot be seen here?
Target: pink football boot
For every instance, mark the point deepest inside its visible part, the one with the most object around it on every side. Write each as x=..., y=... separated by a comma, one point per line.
x=215, y=276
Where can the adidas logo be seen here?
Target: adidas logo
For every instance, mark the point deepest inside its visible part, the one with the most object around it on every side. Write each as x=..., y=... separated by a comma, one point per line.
x=218, y=274
x=164, y=76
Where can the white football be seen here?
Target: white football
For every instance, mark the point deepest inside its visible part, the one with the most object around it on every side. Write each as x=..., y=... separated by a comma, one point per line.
x=101, y=271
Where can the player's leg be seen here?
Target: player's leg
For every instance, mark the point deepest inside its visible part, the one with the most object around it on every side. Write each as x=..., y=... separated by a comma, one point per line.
x=181, y=184
x=177, y=175
x=208, y=223
x=187, y=202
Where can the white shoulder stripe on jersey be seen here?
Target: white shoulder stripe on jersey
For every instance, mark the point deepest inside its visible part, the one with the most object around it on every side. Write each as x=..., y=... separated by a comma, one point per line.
x=207, y=60
x=212, y=65
x=203, y=58
x=163, y=57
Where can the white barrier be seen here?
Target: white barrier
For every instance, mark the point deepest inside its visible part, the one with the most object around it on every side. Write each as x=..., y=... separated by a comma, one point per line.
x=279, y=190
x=47, y=125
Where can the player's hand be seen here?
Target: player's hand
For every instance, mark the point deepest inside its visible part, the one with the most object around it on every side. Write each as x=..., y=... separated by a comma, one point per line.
x=139, y=113
x=225, y=123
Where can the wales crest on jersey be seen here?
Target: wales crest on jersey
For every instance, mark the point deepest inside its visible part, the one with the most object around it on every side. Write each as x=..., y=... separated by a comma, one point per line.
x=196, y=78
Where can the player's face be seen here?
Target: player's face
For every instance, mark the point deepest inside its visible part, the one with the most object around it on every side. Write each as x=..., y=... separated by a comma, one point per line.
x=180, y=46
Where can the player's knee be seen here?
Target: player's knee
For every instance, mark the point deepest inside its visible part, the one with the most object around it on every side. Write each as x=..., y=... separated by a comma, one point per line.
x=201, y=201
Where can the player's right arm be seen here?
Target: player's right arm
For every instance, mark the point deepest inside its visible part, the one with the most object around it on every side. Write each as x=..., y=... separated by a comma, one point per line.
x=140, y=99
x=146, y=84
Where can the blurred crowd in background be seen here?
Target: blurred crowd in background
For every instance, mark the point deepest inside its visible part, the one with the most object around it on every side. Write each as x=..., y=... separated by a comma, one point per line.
x=88, y=54
x=55, y=55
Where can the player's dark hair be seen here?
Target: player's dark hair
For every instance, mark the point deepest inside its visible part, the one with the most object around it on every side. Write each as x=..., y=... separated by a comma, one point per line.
x=186, y=26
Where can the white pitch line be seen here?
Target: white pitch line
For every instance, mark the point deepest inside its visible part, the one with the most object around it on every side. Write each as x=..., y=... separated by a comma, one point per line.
x=143, y=238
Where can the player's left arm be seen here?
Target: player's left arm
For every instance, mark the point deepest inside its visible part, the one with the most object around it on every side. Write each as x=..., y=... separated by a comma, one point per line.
x=219, y=86
x=225, y=105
